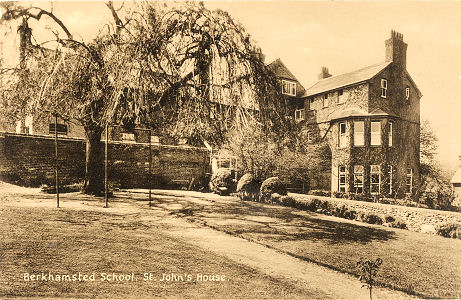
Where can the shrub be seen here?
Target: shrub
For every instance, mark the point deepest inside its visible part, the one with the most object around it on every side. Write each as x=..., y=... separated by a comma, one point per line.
x=339, y=195
x=221, y=182
x=449, y=230
x=270, y=186
x=289, y=201
x=248, y=187
x=373, y=219
x=322, y=193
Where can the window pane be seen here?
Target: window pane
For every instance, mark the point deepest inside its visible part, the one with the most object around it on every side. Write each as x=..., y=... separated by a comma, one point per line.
x=375, y=133
x=359, y=133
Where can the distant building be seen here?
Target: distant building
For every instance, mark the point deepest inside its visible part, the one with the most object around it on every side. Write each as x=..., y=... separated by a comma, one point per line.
x=456, y=181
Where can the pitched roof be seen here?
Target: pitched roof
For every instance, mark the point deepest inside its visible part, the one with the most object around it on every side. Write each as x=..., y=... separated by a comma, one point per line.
x=281, y=71
x=457, y=177
x=346, y=79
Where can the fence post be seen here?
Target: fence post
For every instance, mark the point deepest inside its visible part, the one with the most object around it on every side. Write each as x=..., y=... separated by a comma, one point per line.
x=150, y=168
x=106, y=183
x=56, y=154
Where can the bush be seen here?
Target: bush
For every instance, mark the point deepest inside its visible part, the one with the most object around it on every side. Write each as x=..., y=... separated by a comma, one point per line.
x=248, y=187
x=289, y=201
x=449, y=230
x=372, y=219
x=222, y=183
x=322, y=193
x=270, y=186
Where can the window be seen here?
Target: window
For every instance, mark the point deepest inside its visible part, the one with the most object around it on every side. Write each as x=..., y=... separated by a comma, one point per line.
x=341, y=98
x=391, y=139
x=325, y=100
x=409, y=181
x=375, y=133
x=288, y=88
x=407, y=94
x=309, y=136
x=60, y=128
x=299, y=114
x=390, y=171
x=342, y=135
x=375, y=179
x=359, y=133
x=358, y=179
x=155, y=139
x=384, y=88
x=342, y=179
x=128, y=137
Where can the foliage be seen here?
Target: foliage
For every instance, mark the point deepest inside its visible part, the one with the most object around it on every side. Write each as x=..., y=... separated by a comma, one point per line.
x=155, y=66
x=272, y=185
x=285, y=154
x=367, y=272
x=222, y=182
x=436, y=190
x=248, y=187
x=449, y=230
x=322, y=193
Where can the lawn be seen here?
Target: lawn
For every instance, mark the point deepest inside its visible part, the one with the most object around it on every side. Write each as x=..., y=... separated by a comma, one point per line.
x=67, y=241
x=421, y=264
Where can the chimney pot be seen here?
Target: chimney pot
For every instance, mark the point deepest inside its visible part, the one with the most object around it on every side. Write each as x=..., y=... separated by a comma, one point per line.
x=324, y=73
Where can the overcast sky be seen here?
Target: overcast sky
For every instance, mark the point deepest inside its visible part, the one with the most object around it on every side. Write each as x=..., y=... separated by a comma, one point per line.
x=344, y=36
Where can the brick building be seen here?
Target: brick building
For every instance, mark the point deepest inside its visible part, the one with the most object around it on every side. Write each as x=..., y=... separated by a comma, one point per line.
x=371, y=120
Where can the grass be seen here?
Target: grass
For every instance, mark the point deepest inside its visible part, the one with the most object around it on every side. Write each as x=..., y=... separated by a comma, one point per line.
x=66, y=241
x=420, y=264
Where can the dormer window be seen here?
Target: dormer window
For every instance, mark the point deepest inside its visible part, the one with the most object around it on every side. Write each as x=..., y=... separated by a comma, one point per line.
x=299, y=114
x=325, y=100
x=407, y=94
x=288, y=88
x=384, y=88
x=340, y=97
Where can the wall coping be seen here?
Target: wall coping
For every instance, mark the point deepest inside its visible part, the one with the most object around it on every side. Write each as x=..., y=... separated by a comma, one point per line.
x=64, y=138
x=381, y=205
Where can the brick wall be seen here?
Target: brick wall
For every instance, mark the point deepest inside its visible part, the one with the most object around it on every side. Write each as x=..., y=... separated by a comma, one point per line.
x=30, y=160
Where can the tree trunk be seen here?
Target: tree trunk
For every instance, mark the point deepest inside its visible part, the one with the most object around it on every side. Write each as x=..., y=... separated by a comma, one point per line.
x=94, y=164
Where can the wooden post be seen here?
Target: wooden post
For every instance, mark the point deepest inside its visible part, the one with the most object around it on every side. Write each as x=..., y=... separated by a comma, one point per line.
x=56, y=156
x=106, y=183
x=150, y=168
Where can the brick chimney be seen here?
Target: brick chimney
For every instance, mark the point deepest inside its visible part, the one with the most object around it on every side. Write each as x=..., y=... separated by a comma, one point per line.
x=396, y=50
x=324, y=73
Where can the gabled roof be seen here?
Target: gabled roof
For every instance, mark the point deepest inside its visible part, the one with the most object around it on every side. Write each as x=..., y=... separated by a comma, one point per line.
x=281, y=71
x=346, y=79
x=457, y=177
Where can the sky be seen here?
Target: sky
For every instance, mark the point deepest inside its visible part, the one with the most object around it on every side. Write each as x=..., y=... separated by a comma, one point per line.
x=343, y=36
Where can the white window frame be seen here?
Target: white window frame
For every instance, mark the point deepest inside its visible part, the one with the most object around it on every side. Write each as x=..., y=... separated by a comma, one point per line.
x=390, y=170
x=359, y=135
x=341, y=98
x=342, y=137
x=309, y=136
x=325, y=100
x=128, y=137
x=375, y=137
x=391, y=134
x=358, y=174
x=155, y=139
x=375, y=170
x=409, y=184
x=384, y=88
x=342, y=179
x=288, y=88
x=299, y=114
x=407, y=94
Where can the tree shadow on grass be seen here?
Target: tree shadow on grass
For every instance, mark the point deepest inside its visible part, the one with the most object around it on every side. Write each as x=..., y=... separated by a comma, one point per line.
x=291, y=226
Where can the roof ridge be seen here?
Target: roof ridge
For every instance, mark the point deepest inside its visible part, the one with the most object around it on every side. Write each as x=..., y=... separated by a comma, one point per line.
x=356, y=70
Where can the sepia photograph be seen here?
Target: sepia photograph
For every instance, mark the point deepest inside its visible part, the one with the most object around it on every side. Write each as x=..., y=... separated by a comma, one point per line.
x=230, y=149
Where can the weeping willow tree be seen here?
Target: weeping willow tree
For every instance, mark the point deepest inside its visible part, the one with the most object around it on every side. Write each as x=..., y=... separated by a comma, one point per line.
x=180, y=69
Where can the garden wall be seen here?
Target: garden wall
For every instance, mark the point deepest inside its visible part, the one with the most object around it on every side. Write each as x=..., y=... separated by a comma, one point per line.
x=30, y=160
x=416, y=219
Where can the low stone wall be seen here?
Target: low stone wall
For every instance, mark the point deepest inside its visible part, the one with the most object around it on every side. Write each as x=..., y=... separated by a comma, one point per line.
x=30, y=160
x=416, y=219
